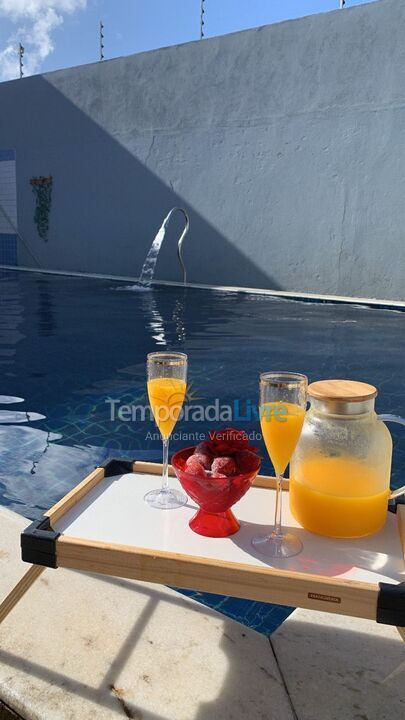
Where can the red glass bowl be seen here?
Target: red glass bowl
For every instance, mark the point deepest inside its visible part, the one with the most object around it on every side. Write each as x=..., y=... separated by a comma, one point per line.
x=215, y=497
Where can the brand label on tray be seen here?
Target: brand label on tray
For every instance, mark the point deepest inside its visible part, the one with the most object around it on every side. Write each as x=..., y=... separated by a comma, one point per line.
x=326, y=598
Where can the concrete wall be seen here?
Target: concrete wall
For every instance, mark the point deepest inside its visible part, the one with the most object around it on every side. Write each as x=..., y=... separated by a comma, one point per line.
x=286, y=143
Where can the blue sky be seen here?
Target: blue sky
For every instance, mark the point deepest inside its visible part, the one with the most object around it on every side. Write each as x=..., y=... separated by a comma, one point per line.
x=62, y=33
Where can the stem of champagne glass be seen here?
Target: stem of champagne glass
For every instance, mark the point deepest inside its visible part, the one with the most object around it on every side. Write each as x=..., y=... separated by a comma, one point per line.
x=278, y=532
x=165, y=473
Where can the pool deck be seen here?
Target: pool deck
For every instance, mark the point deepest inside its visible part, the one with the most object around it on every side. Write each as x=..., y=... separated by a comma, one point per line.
x=85, y=646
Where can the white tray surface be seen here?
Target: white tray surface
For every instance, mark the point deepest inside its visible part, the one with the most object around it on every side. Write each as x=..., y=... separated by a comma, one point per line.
x=115, y=512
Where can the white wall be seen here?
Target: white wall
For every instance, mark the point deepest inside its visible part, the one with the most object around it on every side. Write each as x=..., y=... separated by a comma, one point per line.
x=286, y=143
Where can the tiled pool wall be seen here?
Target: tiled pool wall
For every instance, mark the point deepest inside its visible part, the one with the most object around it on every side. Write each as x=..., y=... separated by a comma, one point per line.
x=8, y=208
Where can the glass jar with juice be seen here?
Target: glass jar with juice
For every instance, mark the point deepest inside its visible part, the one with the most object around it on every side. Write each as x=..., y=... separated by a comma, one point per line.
x=340, y=471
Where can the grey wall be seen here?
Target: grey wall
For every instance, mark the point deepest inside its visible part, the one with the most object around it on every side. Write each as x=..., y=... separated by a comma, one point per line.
x=286, y=143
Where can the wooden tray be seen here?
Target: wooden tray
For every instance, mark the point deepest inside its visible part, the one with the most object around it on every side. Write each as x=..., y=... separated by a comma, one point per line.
x=104, y=526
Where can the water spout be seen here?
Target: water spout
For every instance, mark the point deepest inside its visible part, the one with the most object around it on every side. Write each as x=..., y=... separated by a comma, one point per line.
x=148, y=269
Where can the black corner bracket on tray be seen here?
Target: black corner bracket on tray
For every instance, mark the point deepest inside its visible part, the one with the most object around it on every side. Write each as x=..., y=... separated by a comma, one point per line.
x=394, y=502
x=38, y=543
x=391, y=604
x=116, y=466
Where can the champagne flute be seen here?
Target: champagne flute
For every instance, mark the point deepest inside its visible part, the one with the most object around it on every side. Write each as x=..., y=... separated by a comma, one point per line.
x=167, y=376
x=283, y=398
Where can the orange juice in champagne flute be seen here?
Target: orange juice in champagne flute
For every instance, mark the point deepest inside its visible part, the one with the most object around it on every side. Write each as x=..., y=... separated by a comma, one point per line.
x=167, y=375
x=282, y=407
x=166, y=397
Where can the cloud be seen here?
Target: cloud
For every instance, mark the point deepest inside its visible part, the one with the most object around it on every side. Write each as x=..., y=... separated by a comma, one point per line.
x=35, y=21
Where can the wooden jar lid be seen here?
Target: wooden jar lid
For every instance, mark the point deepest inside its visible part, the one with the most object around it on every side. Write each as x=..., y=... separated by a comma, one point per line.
x=346, y=390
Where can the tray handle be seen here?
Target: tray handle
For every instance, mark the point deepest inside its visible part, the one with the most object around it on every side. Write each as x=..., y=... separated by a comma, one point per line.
x=400, y=421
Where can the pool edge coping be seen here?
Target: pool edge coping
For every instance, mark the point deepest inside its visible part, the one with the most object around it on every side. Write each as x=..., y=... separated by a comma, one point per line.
x=287, y=294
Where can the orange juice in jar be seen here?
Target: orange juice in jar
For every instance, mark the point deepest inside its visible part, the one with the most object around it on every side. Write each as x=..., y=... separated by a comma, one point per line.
x=338, y=497
x=340, y=471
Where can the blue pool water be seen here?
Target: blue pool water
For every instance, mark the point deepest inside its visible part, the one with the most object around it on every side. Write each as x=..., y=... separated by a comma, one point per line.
x=69, y=346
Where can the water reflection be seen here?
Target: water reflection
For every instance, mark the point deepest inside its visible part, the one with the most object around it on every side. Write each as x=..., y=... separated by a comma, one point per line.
x=155, y=323
x=46, y=314
x=11, y=317
x=10, y=416
x=36, y=470
x=179, y=317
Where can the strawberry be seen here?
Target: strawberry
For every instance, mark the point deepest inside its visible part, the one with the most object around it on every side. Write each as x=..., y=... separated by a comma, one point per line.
x=204, y=448
x=246, y=461
x=194, y=467
x=228, y=441
x=203, y=458
x=223, y=466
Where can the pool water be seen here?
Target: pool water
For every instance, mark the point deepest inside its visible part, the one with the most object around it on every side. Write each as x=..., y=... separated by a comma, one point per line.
x=72, y=351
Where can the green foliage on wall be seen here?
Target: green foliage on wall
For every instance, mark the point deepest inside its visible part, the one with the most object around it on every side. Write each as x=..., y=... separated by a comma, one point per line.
x=42, y=189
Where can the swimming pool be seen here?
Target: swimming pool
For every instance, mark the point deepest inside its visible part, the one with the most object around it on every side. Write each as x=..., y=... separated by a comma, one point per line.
x=72, y=350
